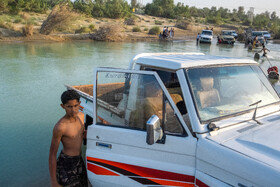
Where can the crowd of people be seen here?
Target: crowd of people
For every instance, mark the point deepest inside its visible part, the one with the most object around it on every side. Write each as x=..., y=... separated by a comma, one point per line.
x=166, y=33
x=253, y=43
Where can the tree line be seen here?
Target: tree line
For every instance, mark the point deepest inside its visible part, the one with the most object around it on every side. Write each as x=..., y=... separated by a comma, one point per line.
x=213, y=15
x=96, y=8
x=159, y=8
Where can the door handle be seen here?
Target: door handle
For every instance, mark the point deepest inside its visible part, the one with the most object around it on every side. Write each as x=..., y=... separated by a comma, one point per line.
x=104, y=145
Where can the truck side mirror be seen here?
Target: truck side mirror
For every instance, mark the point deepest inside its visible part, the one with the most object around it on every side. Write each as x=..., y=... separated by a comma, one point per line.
x=154, y=131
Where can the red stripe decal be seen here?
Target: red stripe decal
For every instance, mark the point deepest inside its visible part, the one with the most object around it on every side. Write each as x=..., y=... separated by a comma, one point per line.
x=100, y=171
x=200, y=184
x=147, y=172
x=171, y=183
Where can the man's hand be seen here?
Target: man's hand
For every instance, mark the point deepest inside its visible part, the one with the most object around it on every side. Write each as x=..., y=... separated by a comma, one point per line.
x=85, y=134
x=55, y=184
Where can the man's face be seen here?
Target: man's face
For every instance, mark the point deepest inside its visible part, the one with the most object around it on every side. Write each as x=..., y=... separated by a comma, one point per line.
x=71, y=107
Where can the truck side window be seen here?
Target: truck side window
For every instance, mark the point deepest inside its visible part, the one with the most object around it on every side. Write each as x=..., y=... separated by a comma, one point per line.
x=171, y=82
x=129, y=100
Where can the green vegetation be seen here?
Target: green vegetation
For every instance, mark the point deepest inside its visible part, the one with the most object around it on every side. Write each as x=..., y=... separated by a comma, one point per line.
x=27, y=30
x=158, y=22
x=129, y=21
x=167, y=9
x=60, y=19
x=154, y=30
x=136, y=29
x=182, y=24
x=98, y=8
x=91, y=27
x=11, y=12
x=15, y=6
x=110, y=9
x=17, y=20
x=82, y=30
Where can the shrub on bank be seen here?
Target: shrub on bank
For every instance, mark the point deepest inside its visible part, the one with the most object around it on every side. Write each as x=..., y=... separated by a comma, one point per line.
x=129, y=21
x=59, y=19
x=17, y=20
x=27, y=30
x=136, y=29
x=82, y=30
x=91, y=27
x=109, y=33
x=182, y=24
x=154, y=30
x=158, y=22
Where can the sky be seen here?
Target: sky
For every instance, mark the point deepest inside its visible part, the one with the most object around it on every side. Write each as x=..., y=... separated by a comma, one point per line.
x=259, y=5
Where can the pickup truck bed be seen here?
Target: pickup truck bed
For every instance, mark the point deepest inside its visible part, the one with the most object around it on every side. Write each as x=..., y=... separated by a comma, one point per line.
x=107, y=92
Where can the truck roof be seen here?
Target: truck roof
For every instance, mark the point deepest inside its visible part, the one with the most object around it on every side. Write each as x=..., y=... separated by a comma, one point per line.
x=175, y=61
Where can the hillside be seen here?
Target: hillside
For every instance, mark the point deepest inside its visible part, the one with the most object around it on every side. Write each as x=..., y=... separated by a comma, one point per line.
x=13, y=28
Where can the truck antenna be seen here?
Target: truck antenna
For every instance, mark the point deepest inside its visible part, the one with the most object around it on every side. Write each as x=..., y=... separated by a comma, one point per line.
x=255, y=112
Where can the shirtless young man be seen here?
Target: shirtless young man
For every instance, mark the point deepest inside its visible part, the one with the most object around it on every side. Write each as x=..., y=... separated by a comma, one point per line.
x=264, y=49
x=68, y=169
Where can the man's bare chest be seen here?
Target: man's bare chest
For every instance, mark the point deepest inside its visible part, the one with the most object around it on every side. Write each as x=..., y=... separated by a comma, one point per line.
x=74, y=132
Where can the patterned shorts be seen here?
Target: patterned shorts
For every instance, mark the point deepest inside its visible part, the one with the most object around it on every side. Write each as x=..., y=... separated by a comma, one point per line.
x=71, y=171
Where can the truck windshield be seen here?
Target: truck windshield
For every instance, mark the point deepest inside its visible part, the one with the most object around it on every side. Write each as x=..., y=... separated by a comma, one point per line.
x=207, y=33
x=223, y=91
x=257, y=34
x=226, y=33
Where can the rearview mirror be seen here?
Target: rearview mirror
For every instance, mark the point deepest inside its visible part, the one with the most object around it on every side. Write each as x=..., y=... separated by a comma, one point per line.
x=154, y=131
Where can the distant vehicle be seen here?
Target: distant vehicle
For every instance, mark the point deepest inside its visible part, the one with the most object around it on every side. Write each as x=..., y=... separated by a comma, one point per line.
x=266, y=35
x=234, y=34
x=227, y=37
x=206, y=36
x=260, y=36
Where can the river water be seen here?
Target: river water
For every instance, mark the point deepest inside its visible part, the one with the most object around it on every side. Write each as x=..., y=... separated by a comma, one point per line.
x=32, y=78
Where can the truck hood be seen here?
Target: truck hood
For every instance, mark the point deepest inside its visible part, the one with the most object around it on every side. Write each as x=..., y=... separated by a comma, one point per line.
x=260, y=142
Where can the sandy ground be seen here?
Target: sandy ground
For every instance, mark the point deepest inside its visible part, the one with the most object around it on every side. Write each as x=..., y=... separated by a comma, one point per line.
x=144, y=22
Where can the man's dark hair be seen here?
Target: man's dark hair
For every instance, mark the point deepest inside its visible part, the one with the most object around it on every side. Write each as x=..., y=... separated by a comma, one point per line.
x=69, y=95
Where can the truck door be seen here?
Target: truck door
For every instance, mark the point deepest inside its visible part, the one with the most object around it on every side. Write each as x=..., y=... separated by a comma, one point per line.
x=117, y=153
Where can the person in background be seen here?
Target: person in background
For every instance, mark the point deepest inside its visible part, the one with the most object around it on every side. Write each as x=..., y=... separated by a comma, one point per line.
x=255, y=42
x=69, y=169
x=170, y=32
x=163, y=29
x=197, y=38
x=264, y=50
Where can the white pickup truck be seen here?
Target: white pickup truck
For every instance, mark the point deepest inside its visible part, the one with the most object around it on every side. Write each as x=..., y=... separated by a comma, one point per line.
x=182, y=119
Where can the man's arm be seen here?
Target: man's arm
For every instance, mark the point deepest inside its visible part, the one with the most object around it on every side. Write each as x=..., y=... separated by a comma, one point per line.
x=57, y=135
x=82, y=118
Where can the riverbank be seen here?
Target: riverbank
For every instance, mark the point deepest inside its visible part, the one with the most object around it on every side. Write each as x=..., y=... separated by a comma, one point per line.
x=14, y=33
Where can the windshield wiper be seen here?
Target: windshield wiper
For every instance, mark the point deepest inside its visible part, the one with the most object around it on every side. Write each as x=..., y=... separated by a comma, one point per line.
x=255, y=112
